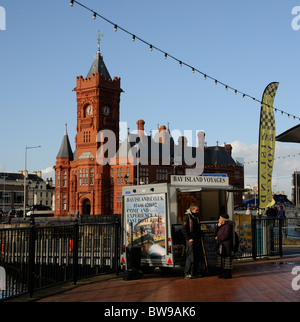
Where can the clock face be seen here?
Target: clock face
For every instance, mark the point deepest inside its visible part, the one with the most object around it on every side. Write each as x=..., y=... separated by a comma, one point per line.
x=89, y=110
x=106, y=110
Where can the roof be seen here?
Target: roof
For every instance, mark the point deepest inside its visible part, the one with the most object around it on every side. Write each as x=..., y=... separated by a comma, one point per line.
x=218, y=155
x=98, y=66
x=291, y=135
x=65, y=150
x=150, y=147
x=8, y=176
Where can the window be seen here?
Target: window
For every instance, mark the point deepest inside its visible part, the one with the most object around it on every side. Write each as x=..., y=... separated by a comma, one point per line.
x=80, y=177
x=161, y=174
x=144, y=175
x=86, y=136
x=57, y=179
x=64, y=178
x=120, y=175
x=64, y=202
x=57, y=202
x=91, y=176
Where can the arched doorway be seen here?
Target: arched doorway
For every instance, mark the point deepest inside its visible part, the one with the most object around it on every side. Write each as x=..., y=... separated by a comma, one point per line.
x=86, y=207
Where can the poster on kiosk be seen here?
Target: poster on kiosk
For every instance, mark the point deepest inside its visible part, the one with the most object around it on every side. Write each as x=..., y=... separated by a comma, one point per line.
x=146, y=216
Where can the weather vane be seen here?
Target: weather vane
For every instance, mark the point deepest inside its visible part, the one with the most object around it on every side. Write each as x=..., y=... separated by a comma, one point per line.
x=99, y=39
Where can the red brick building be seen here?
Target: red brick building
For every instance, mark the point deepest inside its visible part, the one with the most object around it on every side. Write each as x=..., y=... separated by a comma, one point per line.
x=83, y=183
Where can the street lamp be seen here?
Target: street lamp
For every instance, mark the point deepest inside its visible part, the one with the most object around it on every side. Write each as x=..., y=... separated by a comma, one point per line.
x=26, y=148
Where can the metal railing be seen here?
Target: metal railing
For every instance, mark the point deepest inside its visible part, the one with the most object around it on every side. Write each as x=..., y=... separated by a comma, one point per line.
x=37, y=257
x=266, y=236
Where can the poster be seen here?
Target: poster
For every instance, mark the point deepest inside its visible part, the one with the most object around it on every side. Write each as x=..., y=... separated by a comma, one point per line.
x=244, y=230
x=147, y=216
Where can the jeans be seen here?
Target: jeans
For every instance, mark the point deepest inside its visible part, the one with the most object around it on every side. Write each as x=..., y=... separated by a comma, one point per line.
x=193, y=256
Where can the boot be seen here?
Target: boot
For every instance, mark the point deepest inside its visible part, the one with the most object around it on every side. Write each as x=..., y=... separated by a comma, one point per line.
x=221, y=272
x=227, y=274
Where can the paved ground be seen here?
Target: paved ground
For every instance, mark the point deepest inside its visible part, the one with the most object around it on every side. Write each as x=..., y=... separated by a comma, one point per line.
x=259, y=281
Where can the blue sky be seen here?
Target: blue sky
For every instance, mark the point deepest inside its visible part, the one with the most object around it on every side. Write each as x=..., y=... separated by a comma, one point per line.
x=244, y=44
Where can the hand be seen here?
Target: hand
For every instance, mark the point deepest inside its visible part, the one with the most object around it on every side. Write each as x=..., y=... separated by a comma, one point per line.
x=191, y=240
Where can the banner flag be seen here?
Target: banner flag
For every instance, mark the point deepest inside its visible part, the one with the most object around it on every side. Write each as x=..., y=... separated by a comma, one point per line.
x=266, y=148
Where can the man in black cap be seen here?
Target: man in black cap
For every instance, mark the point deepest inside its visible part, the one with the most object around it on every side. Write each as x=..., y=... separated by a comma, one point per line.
x=192, y=232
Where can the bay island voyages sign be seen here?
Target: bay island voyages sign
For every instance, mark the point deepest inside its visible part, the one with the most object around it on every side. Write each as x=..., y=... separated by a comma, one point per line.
x=204, y=180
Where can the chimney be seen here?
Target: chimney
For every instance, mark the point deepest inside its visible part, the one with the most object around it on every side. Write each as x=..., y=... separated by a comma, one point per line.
x=228, y=148
x=182, y=141
x=201, y=136
x=162, y=134
x=140, y=126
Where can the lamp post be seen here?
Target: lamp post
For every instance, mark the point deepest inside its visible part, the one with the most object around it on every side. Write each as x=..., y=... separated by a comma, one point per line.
x=24, y=203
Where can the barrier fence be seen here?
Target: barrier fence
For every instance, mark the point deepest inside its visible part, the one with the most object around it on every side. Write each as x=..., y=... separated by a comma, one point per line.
x=36, y=257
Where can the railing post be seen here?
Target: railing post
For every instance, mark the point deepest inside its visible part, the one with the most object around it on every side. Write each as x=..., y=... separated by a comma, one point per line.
x=117, y=244
x=280, y=237
x=75, y=251
x=254, y=237
x=31, y=264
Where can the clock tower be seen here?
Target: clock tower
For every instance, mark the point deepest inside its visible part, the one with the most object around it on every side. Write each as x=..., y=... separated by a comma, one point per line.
x=83, y=185
x=98, y=105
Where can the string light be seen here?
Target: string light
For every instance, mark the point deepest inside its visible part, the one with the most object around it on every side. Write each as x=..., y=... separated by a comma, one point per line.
x=277, y=158
x=116, y=27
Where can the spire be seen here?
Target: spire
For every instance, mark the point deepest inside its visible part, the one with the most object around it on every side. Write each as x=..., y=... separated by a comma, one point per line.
x=65, y=150
x=98, y=65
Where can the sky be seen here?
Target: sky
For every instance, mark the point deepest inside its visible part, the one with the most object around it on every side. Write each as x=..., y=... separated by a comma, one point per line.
x=45, y=45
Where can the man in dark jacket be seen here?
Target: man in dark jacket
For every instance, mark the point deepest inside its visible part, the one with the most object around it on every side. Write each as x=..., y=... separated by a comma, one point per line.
x=192, y=232
x=224, y=236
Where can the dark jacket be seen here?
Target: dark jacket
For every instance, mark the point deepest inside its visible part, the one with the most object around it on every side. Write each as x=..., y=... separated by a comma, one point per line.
x=225, y=235
x=191, y=226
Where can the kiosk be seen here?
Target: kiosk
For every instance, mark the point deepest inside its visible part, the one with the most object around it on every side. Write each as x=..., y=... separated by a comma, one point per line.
x=152, y=217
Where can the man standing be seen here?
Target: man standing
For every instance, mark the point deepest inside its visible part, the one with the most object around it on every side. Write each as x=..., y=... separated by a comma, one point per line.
x=192, y=232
